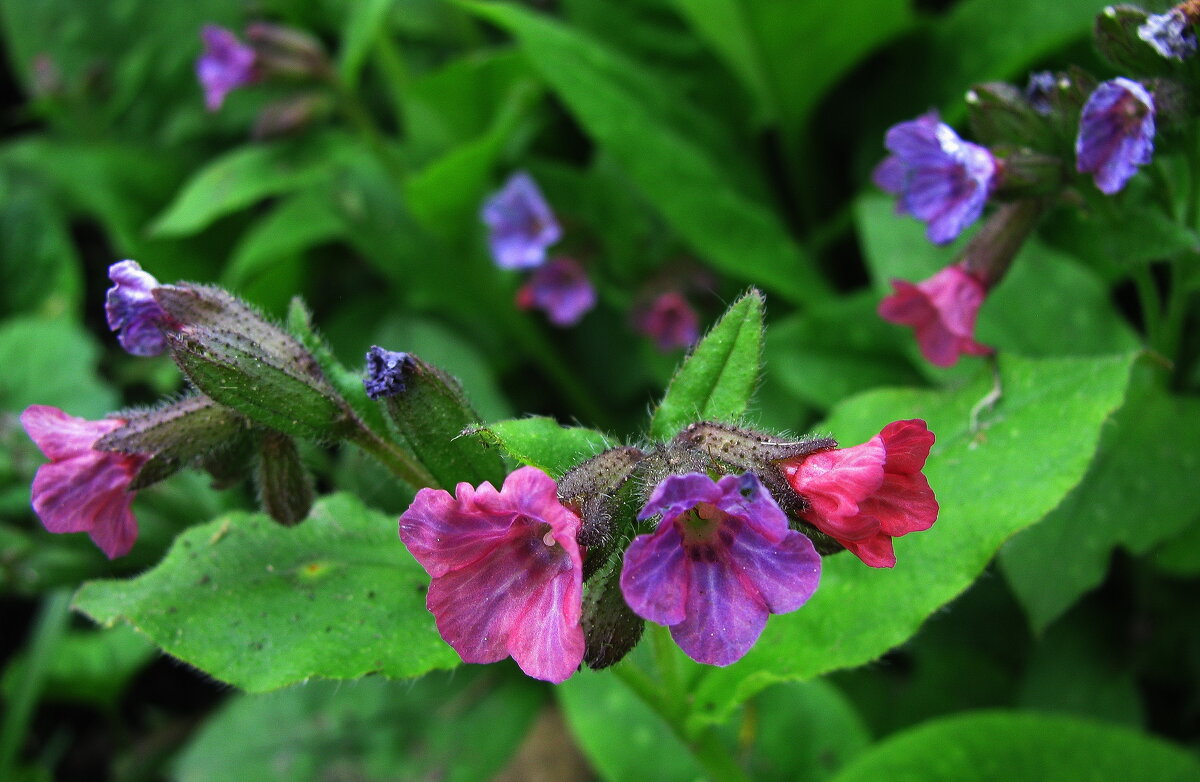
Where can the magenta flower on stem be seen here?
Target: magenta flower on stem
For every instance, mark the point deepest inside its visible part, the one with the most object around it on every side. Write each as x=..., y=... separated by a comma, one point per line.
x=507, y=572
x=866, y=495
x=132, y=311
x=1116, y=133
x=559, y=288
x=942, y=311
x=225, y=65
x=82, y=489
x=721, y=560
x=669, y=320
x=938, y=177
x=520, y=224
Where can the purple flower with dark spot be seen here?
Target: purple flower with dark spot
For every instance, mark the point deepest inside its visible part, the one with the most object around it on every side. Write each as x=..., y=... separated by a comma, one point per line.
x=1116, y=133
x=82, y=489
x=1170, y=34
x=938, y=177
x=559, y=288
x=669, y=320
x=225, y=65
x=132, y=311
x=520, y=224
x=721, y=560
x=385, y=372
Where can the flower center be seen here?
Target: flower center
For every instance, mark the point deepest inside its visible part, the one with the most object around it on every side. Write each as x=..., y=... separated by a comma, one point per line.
x=700, y=524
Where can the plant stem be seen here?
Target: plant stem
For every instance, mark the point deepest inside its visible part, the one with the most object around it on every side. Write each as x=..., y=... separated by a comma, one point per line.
x=402, y=464
x=51, y=623
x=352, y=108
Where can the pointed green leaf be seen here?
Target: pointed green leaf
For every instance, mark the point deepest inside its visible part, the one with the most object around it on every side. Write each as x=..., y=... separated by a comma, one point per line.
x=261, y=606
x=718, y=378
x=1030, y=451
x=544, y=443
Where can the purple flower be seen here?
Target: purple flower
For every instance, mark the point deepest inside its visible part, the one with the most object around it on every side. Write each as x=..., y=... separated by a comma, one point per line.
x=520, y=224
x=385, y=372
x=132, y=311
x=82, y=489
x=1170, y=34
x=559, y=288
x=507, y=572
x=669, y=320
x=721, y=560
x=938, y=177
x=1116, y=133
x=1041, y=86
x=225, y=65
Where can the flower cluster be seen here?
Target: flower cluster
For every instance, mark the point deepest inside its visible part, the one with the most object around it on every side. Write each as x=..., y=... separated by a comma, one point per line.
x=711, y=557
x=946, y=182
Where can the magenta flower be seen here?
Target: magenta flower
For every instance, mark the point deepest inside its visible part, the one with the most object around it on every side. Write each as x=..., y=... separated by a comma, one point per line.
x=721, y=560
x=225, y=65
x=132, y=311
x=938, y=177
x=942, y=311
x=507, y=572
x=559, y=288
x=866, y=495
x=669, y=320
x=520, y=224
x=82, y=489
x=1116, y=133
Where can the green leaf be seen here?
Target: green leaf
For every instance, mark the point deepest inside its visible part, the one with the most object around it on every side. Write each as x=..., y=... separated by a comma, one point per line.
x=1030, y=451
x=718, y=378
x=88, y=665
x=246, y=175
x=369, y=730
x=261, y=606
x=60, y=372
x=543, y=443
x=638, y=121
x=295, y=224
x=365, y=22
x=1149, y=451
x=805, y=731
x=1005, y=746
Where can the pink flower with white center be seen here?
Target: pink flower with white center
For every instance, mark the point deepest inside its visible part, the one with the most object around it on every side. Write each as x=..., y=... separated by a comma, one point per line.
x=942, y=311
x=720, y=562
x=868, y=494
x=83, y=489
x=507, y=571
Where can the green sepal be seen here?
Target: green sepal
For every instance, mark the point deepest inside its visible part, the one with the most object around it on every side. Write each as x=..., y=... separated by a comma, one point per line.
x=1001, y=116
x=610, y=627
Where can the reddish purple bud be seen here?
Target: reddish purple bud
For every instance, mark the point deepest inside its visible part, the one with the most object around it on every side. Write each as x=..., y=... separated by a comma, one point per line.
x=942, y=312
x=938, y=177
x=132, y=311
x=559, y=288
x=1116, y=133
x=82, y=489
x=507, y=572
x=225, y=65
x=866, y=495
x=721, y=560
x=520, y=224
x=670, y=321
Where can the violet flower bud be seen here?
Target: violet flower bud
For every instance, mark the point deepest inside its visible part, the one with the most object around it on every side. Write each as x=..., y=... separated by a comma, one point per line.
x=225, y=65
x=132, y=311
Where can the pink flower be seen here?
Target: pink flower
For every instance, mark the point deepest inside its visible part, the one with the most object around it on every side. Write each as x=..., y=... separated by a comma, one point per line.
x=720, y=562
x=507, y=572
x=866, y=495
x=83, y=489
x=942, y=312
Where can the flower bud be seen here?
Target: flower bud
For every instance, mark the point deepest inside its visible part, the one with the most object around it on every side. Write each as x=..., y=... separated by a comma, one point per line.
x=1002, y=116
x=289, y=116
x=1117, y=40
x=992, y=249
x=286, y=51
x=600, y=491
x=431, y=411
x=284, y=485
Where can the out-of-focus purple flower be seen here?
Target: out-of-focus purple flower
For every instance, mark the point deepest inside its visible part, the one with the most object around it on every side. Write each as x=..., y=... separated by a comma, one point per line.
x=942, y=311
x=82, y=489
x=721, y=560
x=520, y=224
x=385, y=372
x=1041, y=86
x=507, y=572
x=1116, y=133
x=938, y=177
x=669, y=320
x=132, y=311
x=561, y=289
x=225, y=65
x=1170, y=34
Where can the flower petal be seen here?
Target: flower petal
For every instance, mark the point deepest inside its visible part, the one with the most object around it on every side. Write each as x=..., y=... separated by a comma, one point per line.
x=654, y=576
